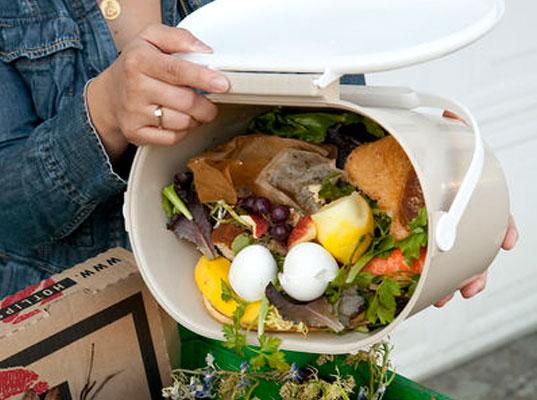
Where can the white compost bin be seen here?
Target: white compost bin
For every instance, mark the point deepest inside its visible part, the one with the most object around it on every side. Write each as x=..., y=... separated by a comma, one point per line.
x=292, y=53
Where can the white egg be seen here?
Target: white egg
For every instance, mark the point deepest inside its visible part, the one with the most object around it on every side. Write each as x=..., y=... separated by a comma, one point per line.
x=307, y=270
x=251, y=271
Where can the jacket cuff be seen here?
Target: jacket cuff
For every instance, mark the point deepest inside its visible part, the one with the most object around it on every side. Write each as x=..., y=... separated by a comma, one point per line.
x=79, y=158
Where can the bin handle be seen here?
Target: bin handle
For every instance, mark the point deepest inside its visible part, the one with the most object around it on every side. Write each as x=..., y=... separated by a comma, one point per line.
x=446, y=228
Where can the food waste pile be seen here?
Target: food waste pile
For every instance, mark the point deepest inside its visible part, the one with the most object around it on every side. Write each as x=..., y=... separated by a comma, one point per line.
x=309, y=221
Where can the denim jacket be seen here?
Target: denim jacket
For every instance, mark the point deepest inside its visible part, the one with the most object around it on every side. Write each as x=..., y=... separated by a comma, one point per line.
x=60, y=198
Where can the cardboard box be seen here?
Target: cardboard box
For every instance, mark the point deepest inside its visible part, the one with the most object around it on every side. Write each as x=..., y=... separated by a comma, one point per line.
x=92, y=332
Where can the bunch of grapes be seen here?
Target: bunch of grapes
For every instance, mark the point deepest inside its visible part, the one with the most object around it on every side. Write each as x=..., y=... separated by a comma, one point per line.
x=278, y=215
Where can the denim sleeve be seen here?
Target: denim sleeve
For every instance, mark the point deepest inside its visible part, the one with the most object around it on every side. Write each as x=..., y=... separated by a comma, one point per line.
x=53, y=173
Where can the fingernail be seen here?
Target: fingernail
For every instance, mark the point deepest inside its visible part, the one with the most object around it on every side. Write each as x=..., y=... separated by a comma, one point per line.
x=513, y=236
x=219, y=84
x=202, y=47
x=510, y=240
x=472, y=290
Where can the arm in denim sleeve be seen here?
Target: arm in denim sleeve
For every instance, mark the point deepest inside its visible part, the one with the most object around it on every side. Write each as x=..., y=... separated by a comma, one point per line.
x=53, y=173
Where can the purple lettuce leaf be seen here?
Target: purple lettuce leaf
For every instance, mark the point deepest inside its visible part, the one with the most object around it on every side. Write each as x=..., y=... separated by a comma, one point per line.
x=197, y=231
x=317, y=314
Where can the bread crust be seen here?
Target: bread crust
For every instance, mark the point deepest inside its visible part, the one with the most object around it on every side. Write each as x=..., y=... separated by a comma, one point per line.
x=383, y=172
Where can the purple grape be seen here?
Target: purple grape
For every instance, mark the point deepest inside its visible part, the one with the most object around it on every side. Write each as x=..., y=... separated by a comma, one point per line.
x=281, y=232
x=183, y=179
x=248, y=203
x=262, y=205
x=280, y=213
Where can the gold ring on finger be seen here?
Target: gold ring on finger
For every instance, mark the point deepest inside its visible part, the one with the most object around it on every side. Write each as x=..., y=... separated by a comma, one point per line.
x=159, y=114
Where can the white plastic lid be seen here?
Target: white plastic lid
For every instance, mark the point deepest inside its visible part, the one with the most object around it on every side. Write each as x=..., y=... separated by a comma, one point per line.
x=336, y=37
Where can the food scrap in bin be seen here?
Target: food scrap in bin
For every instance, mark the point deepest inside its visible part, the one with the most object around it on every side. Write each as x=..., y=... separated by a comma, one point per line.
x=310, y=221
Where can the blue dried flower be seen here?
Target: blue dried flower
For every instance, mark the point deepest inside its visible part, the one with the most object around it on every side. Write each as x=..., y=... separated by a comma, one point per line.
x=209, y=360
x=174, y=392
x=294, y=373
x=381, y=390
x=362, y=394
x=208, y=375
x=197, y=389
x=243, y=383
x=244, y=367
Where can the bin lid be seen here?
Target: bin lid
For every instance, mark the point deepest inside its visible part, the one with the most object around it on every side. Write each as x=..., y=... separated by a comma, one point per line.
x=336, y=37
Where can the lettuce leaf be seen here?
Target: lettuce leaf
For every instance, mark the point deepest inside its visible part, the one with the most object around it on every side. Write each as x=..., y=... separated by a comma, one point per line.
x=411, y=246
x=382, y=305
x=308, y=126
x=318, y=313
x=382, y=245
x=196, y=230
x=347, y=137
x=333, y=188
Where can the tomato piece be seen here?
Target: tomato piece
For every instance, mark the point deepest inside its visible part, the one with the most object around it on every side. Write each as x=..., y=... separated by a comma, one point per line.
x=395, y=263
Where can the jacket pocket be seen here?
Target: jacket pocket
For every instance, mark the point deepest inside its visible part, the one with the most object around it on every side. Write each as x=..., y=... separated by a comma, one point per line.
x=36, y=38
x=46, y=53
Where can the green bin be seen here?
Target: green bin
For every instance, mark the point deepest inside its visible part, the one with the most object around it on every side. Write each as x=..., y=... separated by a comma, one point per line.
x=194, y=348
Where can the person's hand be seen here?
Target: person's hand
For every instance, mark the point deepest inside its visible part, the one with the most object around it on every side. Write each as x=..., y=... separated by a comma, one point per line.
x=122, y=100
x=478, y=283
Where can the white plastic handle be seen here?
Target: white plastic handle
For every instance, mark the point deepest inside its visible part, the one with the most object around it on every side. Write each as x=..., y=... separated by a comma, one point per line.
x=446, y=229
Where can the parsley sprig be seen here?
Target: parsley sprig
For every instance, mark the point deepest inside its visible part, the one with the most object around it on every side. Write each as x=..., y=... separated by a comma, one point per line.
x=235, y=338
x=382, y=291
x=412, y=245
x=382, y=304
x=268, y=353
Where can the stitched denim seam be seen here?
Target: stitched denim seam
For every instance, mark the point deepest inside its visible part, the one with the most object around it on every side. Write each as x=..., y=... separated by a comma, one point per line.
x=40, y=51
x=13, y=21
x=80, y=217
x=89, y=124
x=45, y=149
x=29, y=261
x=86, y=205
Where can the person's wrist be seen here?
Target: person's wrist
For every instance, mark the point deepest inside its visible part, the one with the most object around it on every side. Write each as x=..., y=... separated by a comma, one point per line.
x=102, y=116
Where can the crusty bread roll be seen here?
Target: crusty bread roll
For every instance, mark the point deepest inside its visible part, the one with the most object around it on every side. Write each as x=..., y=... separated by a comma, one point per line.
x=383, y=172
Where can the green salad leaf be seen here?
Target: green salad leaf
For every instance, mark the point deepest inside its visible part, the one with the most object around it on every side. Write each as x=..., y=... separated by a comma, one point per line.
x=240, y=242
x=364, y=280
x=178, y=205
x=227, y=293
x=381, y=246
x=234, y=337
x=382, y=305
x=333, y=188
x=269, y=354
x=167, y=206
x=263, y=311
x=411, y=246
x=373, y=128
x=307, y=126
x=336, y=286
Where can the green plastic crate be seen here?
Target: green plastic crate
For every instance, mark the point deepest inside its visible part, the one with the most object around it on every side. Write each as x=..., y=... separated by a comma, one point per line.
x=194, y=348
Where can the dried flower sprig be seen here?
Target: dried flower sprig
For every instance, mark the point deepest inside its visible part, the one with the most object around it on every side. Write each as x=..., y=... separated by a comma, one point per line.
x=381, y=376
x=212, y=382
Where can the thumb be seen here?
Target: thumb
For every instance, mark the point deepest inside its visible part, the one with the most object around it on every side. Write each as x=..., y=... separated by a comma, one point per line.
x=173, y=40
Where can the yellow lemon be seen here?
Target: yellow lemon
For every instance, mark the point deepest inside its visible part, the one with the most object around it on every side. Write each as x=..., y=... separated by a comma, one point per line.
x=209, y=275
x=345, y=227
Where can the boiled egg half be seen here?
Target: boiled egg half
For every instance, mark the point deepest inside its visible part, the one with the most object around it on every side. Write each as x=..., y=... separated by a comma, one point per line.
x=251, y=271
x=307, y=270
